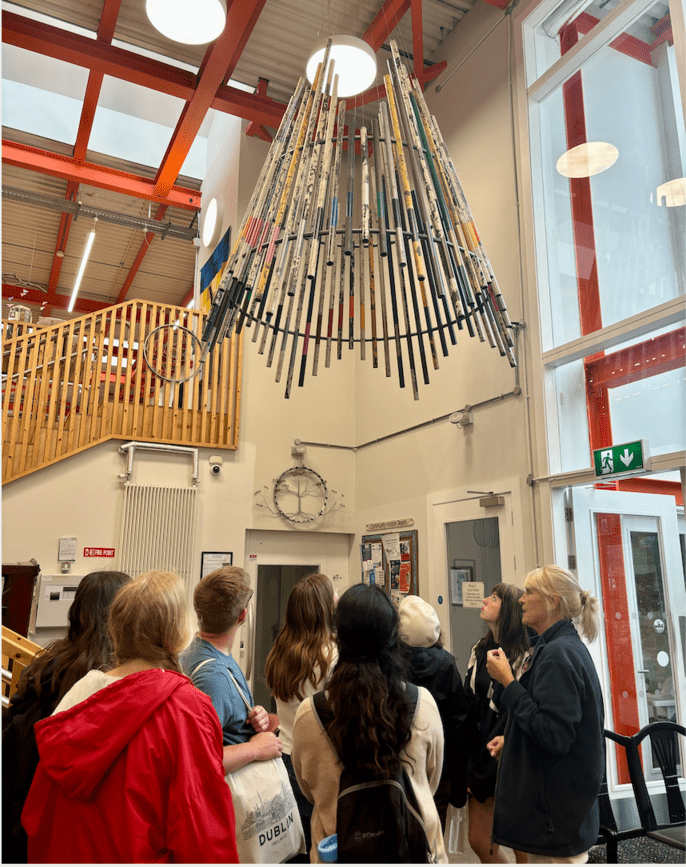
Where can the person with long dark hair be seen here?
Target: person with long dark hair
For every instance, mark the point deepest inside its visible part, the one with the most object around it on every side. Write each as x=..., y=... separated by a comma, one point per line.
x=299, y=664
x=130, y=764
x=42, y=686
x=502, y=614
x=372, y=728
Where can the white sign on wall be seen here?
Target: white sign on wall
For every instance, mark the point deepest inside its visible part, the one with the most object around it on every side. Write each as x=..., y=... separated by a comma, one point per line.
x=473, y=594
x=390, y=525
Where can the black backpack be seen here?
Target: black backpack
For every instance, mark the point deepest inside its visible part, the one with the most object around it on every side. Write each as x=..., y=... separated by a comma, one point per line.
x=378, y=821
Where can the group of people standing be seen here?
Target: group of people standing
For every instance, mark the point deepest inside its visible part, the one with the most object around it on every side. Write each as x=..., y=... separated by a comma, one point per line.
x=133, y=755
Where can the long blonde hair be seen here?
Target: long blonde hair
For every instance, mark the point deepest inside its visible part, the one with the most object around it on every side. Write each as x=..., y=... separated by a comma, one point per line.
x=151, y=619
x=554, y=582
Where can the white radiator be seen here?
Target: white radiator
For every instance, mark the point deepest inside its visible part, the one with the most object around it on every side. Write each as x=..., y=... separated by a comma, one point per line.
x=158, y=530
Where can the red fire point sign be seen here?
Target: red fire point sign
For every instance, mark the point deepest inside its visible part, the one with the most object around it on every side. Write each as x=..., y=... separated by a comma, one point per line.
x=98, y=552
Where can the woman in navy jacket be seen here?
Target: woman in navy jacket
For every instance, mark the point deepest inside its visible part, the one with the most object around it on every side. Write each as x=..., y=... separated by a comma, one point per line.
x=552, y=755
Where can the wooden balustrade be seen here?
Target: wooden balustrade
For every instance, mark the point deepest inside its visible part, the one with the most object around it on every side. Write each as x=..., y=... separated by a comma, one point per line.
x=69, y=386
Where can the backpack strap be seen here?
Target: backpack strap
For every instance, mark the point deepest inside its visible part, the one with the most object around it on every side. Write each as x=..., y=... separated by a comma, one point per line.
x=413, y=697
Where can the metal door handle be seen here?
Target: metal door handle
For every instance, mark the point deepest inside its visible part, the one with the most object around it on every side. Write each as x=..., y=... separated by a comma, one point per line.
x=642, y=671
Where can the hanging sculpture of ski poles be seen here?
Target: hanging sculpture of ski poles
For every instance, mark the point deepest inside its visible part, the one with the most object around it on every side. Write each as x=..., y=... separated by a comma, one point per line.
x=328, y=245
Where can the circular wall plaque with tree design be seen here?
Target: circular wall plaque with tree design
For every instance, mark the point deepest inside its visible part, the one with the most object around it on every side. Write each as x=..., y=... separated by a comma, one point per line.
x=300, y=495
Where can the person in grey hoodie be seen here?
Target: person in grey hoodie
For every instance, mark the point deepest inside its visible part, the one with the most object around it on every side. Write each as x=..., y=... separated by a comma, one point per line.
x=435, y=668
x=552, y=754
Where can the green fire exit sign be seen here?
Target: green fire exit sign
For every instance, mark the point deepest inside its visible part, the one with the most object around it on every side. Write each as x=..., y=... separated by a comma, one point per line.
x=616, y=460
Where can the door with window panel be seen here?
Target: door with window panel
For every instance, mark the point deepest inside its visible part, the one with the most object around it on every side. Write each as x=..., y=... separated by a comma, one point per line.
x=629, y=542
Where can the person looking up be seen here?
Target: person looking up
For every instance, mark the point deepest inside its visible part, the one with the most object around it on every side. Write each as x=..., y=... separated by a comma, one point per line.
x=552, y=755
x=502, y=614
x=221, y=599
x=372, y=730
x=299, y=664
x=435, y=668
x=130, y=764
x=42, y=685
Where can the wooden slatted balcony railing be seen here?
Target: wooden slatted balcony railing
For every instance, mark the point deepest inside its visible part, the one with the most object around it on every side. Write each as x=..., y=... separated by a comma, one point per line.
x=70, y=386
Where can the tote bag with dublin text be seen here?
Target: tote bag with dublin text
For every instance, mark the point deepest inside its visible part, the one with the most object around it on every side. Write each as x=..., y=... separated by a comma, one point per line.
x=268, y=826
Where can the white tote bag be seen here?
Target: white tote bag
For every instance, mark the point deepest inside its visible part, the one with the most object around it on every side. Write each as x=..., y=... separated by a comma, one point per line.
x=268, y=826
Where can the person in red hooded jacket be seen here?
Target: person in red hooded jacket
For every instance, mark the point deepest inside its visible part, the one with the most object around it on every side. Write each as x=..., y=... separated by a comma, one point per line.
x=130, y=766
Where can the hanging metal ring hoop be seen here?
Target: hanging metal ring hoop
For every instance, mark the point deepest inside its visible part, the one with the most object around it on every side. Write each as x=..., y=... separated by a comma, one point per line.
x=173, y=354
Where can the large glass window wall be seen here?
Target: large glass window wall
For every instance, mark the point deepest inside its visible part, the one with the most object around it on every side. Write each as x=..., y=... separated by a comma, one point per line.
x=605, y=87
x=612, y=237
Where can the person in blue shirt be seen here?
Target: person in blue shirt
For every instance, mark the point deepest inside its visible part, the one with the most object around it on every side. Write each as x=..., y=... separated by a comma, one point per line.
x=221, y=599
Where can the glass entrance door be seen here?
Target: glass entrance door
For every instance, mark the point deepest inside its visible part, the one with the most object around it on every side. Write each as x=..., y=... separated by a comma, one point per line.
x=629, y=543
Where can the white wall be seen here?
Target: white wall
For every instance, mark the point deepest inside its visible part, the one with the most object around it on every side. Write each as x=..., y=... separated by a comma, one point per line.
x=394, y=477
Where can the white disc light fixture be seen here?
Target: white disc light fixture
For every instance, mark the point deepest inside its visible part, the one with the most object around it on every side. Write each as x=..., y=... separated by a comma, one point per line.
x=354, y=63
x=587, y=159
x=672, y=194
x=193, y=22
x=212, y=223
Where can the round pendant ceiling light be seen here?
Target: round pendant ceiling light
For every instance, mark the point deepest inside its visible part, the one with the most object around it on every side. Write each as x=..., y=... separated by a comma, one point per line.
x=211, y=224
x=354, y=63
x=193, y=23
x=672, y=194
x=588, y=159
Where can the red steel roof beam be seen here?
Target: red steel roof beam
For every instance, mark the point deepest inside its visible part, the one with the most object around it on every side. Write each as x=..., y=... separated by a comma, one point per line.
x=188, y=297
x=135, y=68
x=256, y=129
x=93, y=175
x=240, y=20
x=33, y=296
x=62, y=235
x=140, y=255
x=108, y=21
x=98, y=56
x=385, y=22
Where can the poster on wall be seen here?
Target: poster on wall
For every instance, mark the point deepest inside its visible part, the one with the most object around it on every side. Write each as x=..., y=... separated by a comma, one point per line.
x=461, y=573
x=212, y=560
x=390, y=559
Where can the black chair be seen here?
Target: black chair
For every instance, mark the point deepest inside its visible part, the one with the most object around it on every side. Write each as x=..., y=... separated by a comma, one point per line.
x=665, y=746
x=664, y=743
x=609, y=834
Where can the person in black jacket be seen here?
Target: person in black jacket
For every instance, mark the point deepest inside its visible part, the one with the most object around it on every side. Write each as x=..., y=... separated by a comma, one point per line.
x=502, y=614
x=436, y=669
x=41, y=687
x=552, y=755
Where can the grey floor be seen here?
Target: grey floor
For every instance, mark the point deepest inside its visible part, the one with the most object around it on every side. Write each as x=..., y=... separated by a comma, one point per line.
x=640, y=851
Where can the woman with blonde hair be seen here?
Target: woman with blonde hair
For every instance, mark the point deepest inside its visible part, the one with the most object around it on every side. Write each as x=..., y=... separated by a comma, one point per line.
x=552, y=755
x=131, y=760
x=301, y=659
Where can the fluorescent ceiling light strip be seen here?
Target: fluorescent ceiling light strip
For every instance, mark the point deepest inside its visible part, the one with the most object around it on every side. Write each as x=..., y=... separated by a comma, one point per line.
x=82, y=268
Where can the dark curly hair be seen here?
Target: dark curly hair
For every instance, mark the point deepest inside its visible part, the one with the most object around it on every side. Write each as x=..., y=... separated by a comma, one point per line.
x=372, y=723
